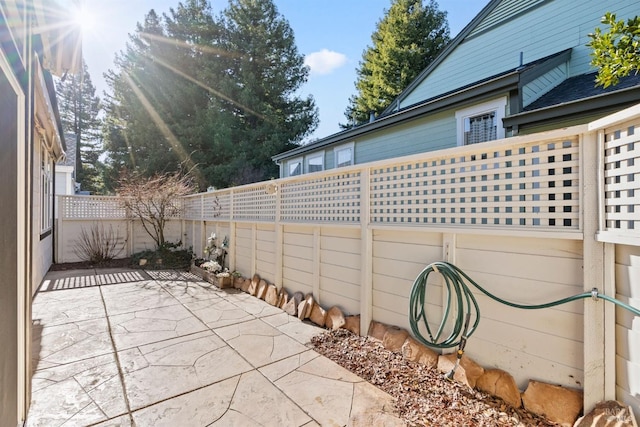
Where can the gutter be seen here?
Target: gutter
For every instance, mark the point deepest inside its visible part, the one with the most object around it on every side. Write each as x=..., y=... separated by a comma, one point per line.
x=473, y=93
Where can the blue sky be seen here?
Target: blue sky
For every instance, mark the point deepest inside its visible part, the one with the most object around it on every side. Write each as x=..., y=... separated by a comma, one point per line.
x=332, y=34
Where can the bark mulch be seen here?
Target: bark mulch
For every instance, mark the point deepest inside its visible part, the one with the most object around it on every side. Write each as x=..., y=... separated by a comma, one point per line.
x=423, y=396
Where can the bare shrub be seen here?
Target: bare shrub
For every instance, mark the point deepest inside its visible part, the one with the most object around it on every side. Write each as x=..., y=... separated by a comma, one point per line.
x=155, y=200
x=98, y=244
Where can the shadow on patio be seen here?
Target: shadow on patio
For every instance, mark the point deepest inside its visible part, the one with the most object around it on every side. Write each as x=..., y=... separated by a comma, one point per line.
x=129, y=347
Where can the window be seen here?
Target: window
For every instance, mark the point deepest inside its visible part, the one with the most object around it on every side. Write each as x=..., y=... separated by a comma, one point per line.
x=46, y=190
x=481, y=123
x=315, y=163
x=294, y=167
x=480, y=128
x=344, y=155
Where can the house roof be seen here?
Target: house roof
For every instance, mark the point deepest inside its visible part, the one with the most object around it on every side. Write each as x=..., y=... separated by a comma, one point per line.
x=70, y=157
x=443, y=55
x=577, y=96
x=498, y=83
x=393, y=115
x=579, y=87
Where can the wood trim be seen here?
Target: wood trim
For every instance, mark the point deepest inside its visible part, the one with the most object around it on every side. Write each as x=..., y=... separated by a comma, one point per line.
x=366, y=256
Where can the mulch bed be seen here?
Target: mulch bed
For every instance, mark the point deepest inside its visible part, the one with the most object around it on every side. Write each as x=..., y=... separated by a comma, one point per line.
x=424, y=397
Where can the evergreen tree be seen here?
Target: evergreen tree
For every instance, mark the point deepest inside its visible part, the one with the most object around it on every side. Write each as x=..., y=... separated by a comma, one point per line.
x=79, y=113
x=214, y=94
x=140, y=99
x=405, y=41
x=263, y=73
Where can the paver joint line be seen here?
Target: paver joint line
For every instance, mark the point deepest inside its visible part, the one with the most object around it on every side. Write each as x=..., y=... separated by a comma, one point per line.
x=140, y=398
x=118, y=365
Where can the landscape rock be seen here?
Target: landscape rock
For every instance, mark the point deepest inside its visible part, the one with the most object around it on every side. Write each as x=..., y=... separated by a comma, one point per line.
x=246, y=285
x=271, y=295
x=415, y=351
x=305, y=307
x=238, y=281
x=467, y=373
x=501, y=384
x=302, y=310
x=352, y=324
x=291, y=307
x=283, y=297
x=377, y=330
x=608, y=414
x=556, y=403
x=318, y=315
x=394, y=338
x=262, y=289
x=335, y=318
x=253, y=287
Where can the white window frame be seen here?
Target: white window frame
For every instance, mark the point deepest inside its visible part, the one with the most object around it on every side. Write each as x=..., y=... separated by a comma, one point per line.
x=498, y=106
x=336, y=150
x=310, y=157
x=291, y=162
x=46, y=193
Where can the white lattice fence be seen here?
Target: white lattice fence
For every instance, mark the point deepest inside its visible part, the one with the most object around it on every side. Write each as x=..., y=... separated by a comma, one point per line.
x=254, y=203
x=533, y=185
x=192, y=207
x=216, y=206
x=94, y=207
x=334, y=197
x=622, y=180
x=619, y=173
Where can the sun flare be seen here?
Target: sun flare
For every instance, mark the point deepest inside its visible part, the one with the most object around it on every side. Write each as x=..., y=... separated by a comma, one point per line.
x=84, y=19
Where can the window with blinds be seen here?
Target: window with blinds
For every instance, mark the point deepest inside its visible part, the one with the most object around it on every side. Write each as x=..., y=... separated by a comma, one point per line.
x=480, y=128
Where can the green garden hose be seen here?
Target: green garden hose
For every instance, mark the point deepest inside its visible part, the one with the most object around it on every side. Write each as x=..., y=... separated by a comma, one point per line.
x=458, y=293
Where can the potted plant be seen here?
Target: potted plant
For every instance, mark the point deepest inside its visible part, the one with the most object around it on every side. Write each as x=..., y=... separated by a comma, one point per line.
x=212, y=268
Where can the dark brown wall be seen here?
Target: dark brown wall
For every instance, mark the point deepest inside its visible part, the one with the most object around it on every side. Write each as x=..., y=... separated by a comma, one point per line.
x=8, y=254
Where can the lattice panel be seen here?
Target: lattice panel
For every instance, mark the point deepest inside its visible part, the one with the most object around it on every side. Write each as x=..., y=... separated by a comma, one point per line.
x=192, y=207
x=254, y=203
x=215, y=206
x=622, y=180
x=533, y=185
x=330, y=198
x=91, y=207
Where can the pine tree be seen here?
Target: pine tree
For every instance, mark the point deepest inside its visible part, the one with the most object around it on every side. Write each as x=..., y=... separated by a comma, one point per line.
x=406, y=40
x=79, y=113
x=152, y=108
x=264, y=71
x=214, y=94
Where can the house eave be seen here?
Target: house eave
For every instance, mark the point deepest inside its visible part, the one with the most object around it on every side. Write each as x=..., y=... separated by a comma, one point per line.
x=60, y=38
x=473, y=93
x=46, y=120
x=574, y=108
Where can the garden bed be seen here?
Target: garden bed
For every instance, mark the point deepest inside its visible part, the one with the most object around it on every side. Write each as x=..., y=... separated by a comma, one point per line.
x=221, y=282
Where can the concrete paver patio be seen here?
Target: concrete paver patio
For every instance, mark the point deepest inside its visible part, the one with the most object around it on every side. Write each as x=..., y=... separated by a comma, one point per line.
x=133, y=348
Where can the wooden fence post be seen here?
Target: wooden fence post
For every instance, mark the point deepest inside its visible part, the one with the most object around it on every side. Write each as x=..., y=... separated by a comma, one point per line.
x=366, y=255
x=593, y=276
x=279, y=230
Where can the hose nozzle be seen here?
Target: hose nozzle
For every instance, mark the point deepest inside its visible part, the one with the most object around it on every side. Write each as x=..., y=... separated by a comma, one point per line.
x=449, y=375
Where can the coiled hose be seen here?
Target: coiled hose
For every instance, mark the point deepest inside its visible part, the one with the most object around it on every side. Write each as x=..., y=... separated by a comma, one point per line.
x=457, y=291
